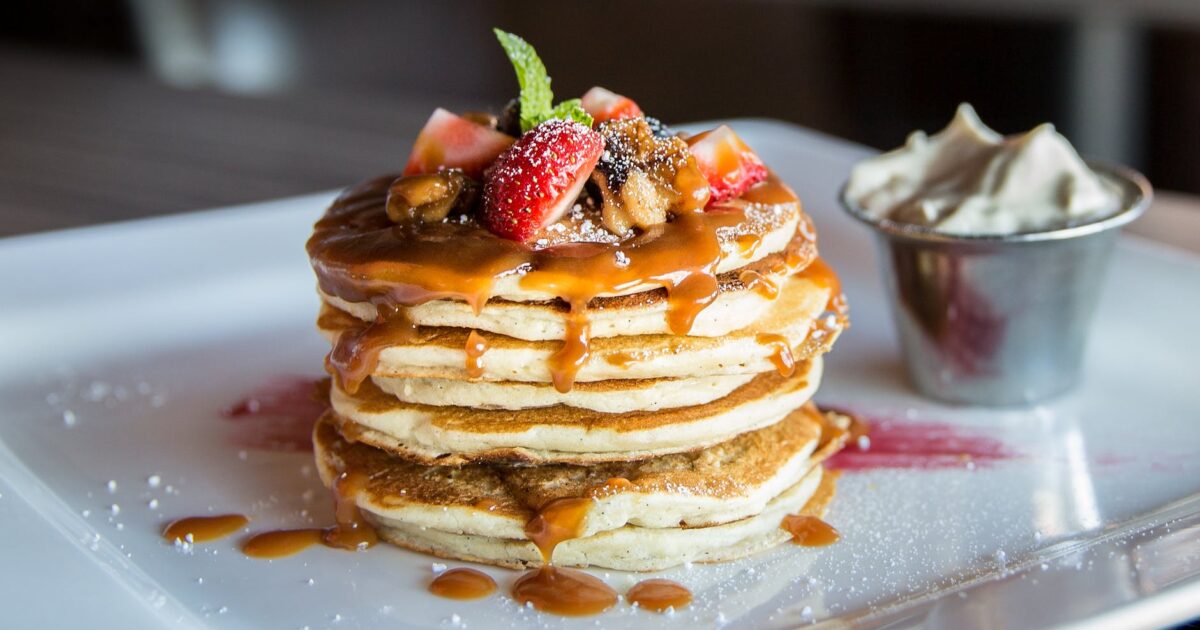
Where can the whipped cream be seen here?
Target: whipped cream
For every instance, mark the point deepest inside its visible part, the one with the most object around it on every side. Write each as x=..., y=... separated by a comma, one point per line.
x=968, y=179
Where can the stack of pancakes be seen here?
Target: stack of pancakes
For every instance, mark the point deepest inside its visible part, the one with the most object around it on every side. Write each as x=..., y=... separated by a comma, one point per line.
x=677, y=406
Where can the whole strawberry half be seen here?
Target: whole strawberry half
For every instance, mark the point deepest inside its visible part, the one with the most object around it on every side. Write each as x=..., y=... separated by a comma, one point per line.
x=451, y=141
x=605, y=105
x=533, y=183
x=729, y=165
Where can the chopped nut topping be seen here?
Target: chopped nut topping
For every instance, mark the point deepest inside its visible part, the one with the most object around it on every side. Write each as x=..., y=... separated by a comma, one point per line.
x=430, y=197
x=643, y=178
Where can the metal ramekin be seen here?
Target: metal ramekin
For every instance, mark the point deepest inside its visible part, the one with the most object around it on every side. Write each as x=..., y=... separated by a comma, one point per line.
x=999, y=319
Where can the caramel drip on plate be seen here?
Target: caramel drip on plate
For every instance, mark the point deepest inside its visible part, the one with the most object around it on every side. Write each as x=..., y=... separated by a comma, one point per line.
x=759, y=283
x=463, y=583
x=281, y=542
x=809, y=531
x=564, y=592
x=658, y=595
x=807, y=528
x=350, y=530
x=359, y=255
x=477, y=344
x=199, y=529
x=784, y=361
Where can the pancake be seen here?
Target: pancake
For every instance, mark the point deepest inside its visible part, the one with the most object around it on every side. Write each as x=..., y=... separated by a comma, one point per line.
x=713, y=504
x=454, y=435
x=628, y=548
x=617, y=396
x=800, y=309
x=744, y=296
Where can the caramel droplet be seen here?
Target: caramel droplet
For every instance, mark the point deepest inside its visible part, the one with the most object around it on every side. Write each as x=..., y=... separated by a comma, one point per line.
x=782, y=358
x=810, y=531
x=281, y=542
x=462, y=583
x=477, y=344
x=658, y=595
x=199, y=529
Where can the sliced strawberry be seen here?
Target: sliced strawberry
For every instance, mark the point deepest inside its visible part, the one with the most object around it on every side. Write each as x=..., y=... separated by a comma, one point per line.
x=533, y=183
x=726, y=162
x=450, y=141
x=605, y=105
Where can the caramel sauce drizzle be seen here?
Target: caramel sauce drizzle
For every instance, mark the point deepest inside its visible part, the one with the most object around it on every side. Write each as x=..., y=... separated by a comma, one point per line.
x=200, y=529
x=576, y=348
x=784, y=361
x=356, y=351
x=659, y=595
x=477, y=344
x=558, y=520
x=462, y=584
x=359, y=255
x=351, y=531
x=759, y=283
x=748, y=244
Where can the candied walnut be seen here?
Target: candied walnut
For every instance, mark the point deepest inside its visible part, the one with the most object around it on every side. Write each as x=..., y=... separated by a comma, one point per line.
x=644, y=177
x=430, y=197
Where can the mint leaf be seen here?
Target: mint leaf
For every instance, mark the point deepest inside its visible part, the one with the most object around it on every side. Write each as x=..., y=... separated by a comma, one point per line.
x=536, y=97
x=572, y=110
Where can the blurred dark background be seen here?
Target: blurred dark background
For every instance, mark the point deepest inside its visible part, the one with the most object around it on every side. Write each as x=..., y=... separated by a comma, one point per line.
x=132, y=107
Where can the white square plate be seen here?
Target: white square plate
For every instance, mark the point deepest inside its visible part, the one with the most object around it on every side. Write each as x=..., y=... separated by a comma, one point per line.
x=123, y=344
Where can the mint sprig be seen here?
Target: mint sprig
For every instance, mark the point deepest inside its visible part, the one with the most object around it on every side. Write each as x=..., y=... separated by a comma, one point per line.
x=572, y=110
x=536, y=97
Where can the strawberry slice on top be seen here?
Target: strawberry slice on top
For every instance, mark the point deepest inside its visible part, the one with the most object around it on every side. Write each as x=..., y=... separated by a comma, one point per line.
x=605, y=105
x=536, y=180
x=451, y=141
x=730, y=166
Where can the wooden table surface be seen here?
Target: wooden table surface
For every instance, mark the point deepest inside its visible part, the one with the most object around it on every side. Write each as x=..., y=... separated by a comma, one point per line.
x=84, y=141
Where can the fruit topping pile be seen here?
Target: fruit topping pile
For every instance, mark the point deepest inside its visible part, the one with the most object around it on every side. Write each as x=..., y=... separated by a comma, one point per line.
x=518, y=173
x=643, y=178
